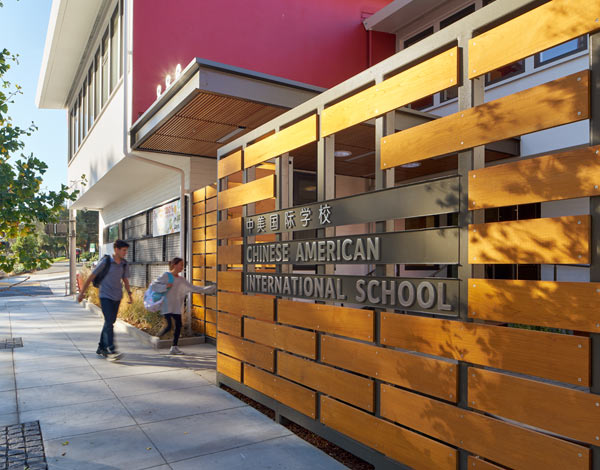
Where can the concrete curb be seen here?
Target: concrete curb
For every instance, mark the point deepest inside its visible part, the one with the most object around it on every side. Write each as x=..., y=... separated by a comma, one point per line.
x=153, y=341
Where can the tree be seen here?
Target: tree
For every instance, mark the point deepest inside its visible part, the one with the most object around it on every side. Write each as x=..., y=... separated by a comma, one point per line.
x=22, y=201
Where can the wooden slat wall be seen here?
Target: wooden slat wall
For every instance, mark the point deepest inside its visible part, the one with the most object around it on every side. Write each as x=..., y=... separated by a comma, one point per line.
x=398, y=443
x=499, y=441
x=351, y=322
x=250, y=192
x=568, y=305
x=288, y=393
x=565, y=175
x=393, y=385
x=293, y=137
x=554, y=356
x=552, y=104
x=431, y=376
x=347, y=387
x=559, y=240
x=561, y=410
x=422, y=80
x=542, y=28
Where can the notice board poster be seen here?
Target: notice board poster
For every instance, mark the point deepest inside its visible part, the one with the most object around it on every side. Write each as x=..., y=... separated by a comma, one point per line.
x=166, y=219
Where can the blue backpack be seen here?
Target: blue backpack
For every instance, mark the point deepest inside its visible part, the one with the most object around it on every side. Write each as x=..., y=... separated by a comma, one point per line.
x=153, y=300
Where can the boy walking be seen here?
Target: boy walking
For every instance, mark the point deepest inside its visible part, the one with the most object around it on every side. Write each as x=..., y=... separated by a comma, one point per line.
x=110, y=294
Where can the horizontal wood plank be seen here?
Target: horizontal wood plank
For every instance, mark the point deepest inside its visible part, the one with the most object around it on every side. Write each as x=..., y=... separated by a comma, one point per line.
x=499, y=441
x=198, y=274
x=290, y=138
x=541, y=28
x=536, y=404
x=211, y=205
x=248, y=193
x=568, y=305
x=210, y=260
x=198, y=247
x=198, y=195
x=557, y=240
x=230, y=164
x=410, y=448
x=210, y=274
x=199, y=209
x=210, y=330
x=554, y=356
x=427, y=375
x=290, y=339
x=211, y=191
x=229, y=366
x=549, y=105
x=211, y=315
x=229, y=254
x=211, y=218
x=565, y=175
x=198, y=261
x=347, y=387
x=229, y=280
x=257, y=306
x=290, y=394
x=211, y=232
x=211, y=246
x=257, y=354
x=230, y=324
x=478, y=464
x=231, y=228
x=211, y=302
x=198, y=221
x=345, y=321
x=419, y=81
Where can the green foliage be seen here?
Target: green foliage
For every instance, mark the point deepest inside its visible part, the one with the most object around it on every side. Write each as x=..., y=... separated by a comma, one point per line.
x=22, y=202
x=29, y=254
x=87, y=230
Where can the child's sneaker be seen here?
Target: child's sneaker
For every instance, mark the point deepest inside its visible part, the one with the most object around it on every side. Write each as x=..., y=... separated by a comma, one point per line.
x=101, y=352
x=113, y=355
x=175, y=350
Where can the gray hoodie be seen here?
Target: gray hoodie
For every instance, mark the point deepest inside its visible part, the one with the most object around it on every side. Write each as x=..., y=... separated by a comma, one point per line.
x=176, y=294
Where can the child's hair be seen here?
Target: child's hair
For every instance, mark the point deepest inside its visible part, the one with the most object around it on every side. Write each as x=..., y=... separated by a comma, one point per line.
x=174, y=261
x=120, y=244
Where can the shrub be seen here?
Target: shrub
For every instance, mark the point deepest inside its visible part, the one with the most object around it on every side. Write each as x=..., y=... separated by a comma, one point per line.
x=135, y=314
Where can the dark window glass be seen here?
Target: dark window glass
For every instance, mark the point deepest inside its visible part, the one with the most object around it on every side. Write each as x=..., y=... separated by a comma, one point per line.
x=105, y=44
x=91, y=95
x=487, y=2
x=562, y=50
x=449, y=94
x=457, y=16
x=114, y=49
x=505, y=72
x=422, y=103
x=417, y=37
x=121, y=41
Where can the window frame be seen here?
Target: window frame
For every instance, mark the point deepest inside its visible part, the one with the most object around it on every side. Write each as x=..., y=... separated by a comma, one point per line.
x=582, y=45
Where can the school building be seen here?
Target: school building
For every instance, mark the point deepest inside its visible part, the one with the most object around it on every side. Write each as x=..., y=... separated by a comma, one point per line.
x=398, y=201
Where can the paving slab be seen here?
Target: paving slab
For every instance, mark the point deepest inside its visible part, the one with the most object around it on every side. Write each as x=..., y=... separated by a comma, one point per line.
x=8, y=403
x=56, y=376
x=153, y=407
x=193, y=436
x=125, y=448
x=156, y=382
x=63, y=394
x=7, y=382
x=71, y=420
x=58, y=362
x=283, y=453
x=9, y=419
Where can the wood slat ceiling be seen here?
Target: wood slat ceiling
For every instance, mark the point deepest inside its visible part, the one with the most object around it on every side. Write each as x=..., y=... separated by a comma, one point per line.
x=195, y=129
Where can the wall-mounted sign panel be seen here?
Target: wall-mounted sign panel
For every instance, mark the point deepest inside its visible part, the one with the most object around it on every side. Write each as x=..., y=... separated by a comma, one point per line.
x=166, y=219
x=429, y=295
x=428, y=246
x=438, y=196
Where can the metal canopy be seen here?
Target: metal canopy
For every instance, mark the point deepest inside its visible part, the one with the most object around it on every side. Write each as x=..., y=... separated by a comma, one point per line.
x=211, y=104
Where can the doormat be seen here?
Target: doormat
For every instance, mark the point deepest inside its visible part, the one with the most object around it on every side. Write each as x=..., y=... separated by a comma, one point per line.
x=22, y=447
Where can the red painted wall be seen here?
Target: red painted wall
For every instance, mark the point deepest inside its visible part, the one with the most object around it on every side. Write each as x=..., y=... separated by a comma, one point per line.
x=320, y=42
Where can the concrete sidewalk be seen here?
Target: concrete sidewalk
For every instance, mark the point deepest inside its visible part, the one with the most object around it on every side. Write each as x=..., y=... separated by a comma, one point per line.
x=149, y=410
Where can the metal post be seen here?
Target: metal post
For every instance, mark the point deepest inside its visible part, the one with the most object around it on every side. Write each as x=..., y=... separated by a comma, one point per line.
x=470, y=94
x=594, y=46
x=72, y=253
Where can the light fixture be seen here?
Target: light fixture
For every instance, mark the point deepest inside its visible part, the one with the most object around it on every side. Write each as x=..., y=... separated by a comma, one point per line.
x=158, y=91
x=342, y=153
x=167, y=81
x=411, y=165
x=177, y=71
x=229, y=135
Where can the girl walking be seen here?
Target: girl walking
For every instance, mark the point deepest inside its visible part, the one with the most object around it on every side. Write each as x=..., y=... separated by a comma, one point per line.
x=176, y=288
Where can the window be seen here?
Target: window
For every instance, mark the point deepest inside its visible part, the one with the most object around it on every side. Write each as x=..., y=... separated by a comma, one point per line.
x=457, y=16
x=105, y=43
x=84, y=106
x=505, y=72
x=487, y=2
x=114, y=49
x=417, y=37
x=121, y=42
x=91, y=96
x=560, y=51
x=449, y=94
x=98, y=83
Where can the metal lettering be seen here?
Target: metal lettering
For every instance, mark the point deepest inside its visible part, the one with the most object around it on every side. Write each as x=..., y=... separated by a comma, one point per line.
x=318, y=283
x=308, y=286
x=300, y=253
x=286, y=252
x=373, y=249
x=359, y=250
x=345, y=255
x=286, y=286
x=310, y=251
x=388, y=292
x=370, y=296
x=330, y=250
x=441, y=295
x=339, y=290
x=431, y=295
x=360, y=289
x=321, y=250
x=410, y=298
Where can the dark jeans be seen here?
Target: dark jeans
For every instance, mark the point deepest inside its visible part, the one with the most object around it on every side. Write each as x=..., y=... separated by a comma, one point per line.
x=110, y=309
x=177, y=320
